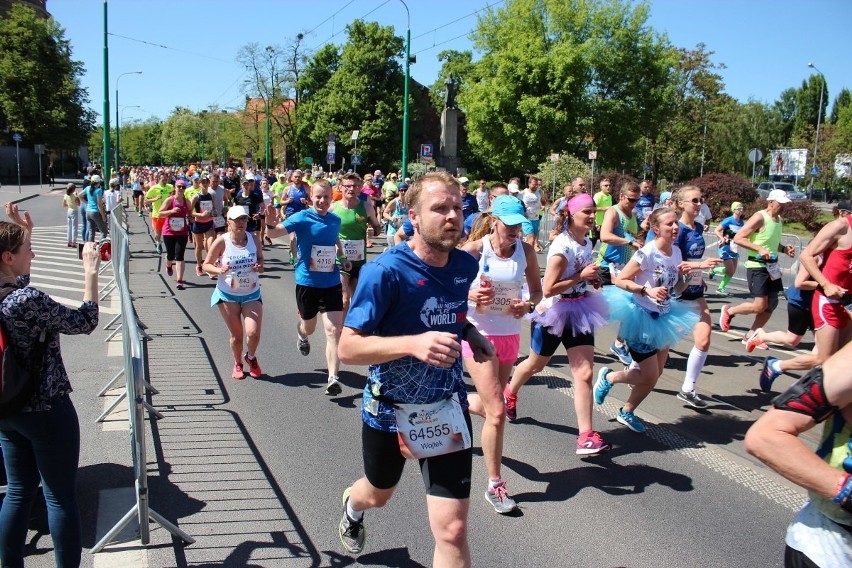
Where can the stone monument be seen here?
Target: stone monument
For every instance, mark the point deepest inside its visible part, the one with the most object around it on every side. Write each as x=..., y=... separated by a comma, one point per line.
x=448, y=155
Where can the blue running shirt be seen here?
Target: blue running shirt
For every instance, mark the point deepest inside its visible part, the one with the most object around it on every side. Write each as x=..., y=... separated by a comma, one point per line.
x=312, y=229
x=691, y=244
x=398, y=294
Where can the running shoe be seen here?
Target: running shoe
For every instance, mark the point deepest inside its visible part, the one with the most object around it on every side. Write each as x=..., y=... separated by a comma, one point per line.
x=692, y=399
x=724, y=319
x=254, y=366
x=592, y=444
x=158, y=248
x=199, y=271
x=292, y=260
x=631, y=421
x=602, y=386
x=180, y=285
x=304, y=344
x=499, y=499
x=622, y=353
x=238, y=373
x=140, y=214
x=353, y=534
x=333, y=388
x=511, y=401
x=767, y=375
x=169, y=270
x=752, y=343
x=722, y=291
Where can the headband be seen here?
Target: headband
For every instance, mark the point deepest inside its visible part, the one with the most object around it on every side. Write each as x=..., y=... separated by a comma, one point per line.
x=579, y=202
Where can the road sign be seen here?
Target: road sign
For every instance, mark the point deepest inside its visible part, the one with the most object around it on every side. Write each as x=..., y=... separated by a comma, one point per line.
x=426, y=153
x=355, y=159
x=755, y=155
x=331, y=138
x=39, y=149
x=648, y=167
x=329, y=158
x=593, y=154
x=17, y=137
x=309, y=160
x=814, y=171
x=554, y=157
x=355, y=134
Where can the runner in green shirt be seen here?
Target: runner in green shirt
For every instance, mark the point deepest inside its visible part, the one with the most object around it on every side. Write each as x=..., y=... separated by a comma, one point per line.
x=354, y=215
x=155, y=198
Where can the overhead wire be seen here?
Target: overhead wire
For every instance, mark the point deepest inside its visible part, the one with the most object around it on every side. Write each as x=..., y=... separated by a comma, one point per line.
x=146, y=42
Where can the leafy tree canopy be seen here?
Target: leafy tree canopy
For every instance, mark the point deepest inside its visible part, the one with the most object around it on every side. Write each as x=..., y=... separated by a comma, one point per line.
x=40, y=92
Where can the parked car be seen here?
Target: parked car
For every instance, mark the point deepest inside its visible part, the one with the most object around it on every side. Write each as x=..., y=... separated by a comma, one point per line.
x=795, y=195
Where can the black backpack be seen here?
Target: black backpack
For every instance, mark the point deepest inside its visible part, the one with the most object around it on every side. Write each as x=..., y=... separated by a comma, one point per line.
x=19, y=380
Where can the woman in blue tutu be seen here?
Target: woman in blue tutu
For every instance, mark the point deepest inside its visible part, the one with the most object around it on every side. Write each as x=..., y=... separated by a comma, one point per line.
x=651, y=319
x=570, y=315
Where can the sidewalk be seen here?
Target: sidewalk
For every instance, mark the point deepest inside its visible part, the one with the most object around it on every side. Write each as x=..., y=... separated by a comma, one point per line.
x=205, y=473
x=9, y=192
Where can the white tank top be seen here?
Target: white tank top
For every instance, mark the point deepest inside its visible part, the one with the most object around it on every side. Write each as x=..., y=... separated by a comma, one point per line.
x=241, y=280
x=507, y=278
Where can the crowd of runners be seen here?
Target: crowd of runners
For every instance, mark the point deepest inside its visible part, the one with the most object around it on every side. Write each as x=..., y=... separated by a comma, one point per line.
x=467, y=281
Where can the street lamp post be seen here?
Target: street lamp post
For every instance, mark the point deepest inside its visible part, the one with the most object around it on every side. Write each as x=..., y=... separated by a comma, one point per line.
x=405, y=95
x=117, y=122
x=118, y=128
x=819, y=118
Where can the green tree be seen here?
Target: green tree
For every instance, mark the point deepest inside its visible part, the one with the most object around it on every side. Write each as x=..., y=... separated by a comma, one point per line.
x=694, y=93
x=808, y=99
x=356, y=87
x=734, y=129
x=564, y=172
x=179, y=138
x=40, y=92
x=843, y=99
x=567, y=75
x=787, y=106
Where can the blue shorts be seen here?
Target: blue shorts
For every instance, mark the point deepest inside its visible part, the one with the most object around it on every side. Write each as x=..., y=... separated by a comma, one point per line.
x=536, y=224
x=220, y=296
x=726, y=254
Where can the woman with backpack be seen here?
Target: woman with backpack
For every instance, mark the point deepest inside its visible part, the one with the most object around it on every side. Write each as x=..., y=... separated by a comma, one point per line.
x=41, y=438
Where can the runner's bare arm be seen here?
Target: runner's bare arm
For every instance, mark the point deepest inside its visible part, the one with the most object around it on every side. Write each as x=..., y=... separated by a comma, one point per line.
x=824, y=241
x=754, y=224
x=774, y=437
x=438, y=348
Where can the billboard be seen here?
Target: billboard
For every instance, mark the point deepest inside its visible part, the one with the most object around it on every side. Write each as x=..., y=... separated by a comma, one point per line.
x=843, y=165
x=788, y=162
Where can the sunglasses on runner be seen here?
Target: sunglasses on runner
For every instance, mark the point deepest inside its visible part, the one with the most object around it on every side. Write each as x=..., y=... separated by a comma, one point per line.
x=695, y=200
x=632, y=199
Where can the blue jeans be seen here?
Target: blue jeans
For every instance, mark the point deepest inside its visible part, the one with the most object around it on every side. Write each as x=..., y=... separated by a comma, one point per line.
x=41, y=446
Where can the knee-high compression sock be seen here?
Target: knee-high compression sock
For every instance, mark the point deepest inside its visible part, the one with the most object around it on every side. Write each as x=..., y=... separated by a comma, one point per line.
x=694, y=364
x=724, y=282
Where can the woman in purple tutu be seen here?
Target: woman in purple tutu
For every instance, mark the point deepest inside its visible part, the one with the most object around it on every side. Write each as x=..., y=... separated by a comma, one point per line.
x=570, y=315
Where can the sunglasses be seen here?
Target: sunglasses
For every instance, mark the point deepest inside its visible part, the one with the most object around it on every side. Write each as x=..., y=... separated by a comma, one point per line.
x=632, y=199
x=695, y=200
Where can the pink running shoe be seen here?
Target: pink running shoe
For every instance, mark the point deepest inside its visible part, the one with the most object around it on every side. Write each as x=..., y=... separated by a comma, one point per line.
x=254, y=367
x=592, y=444
x=238, y=373
x=511, y=401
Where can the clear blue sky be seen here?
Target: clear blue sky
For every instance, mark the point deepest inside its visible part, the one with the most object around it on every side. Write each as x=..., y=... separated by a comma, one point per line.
x=765, y=44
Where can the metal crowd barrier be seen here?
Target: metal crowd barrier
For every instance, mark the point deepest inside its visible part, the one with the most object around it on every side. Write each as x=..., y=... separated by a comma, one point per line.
x=135, y=378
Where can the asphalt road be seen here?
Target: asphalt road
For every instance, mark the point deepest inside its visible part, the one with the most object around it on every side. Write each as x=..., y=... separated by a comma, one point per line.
x=254, y=469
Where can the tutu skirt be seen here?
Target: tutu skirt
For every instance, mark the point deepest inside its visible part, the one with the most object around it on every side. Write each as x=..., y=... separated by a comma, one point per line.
x=582, y=315
x=647, y=331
